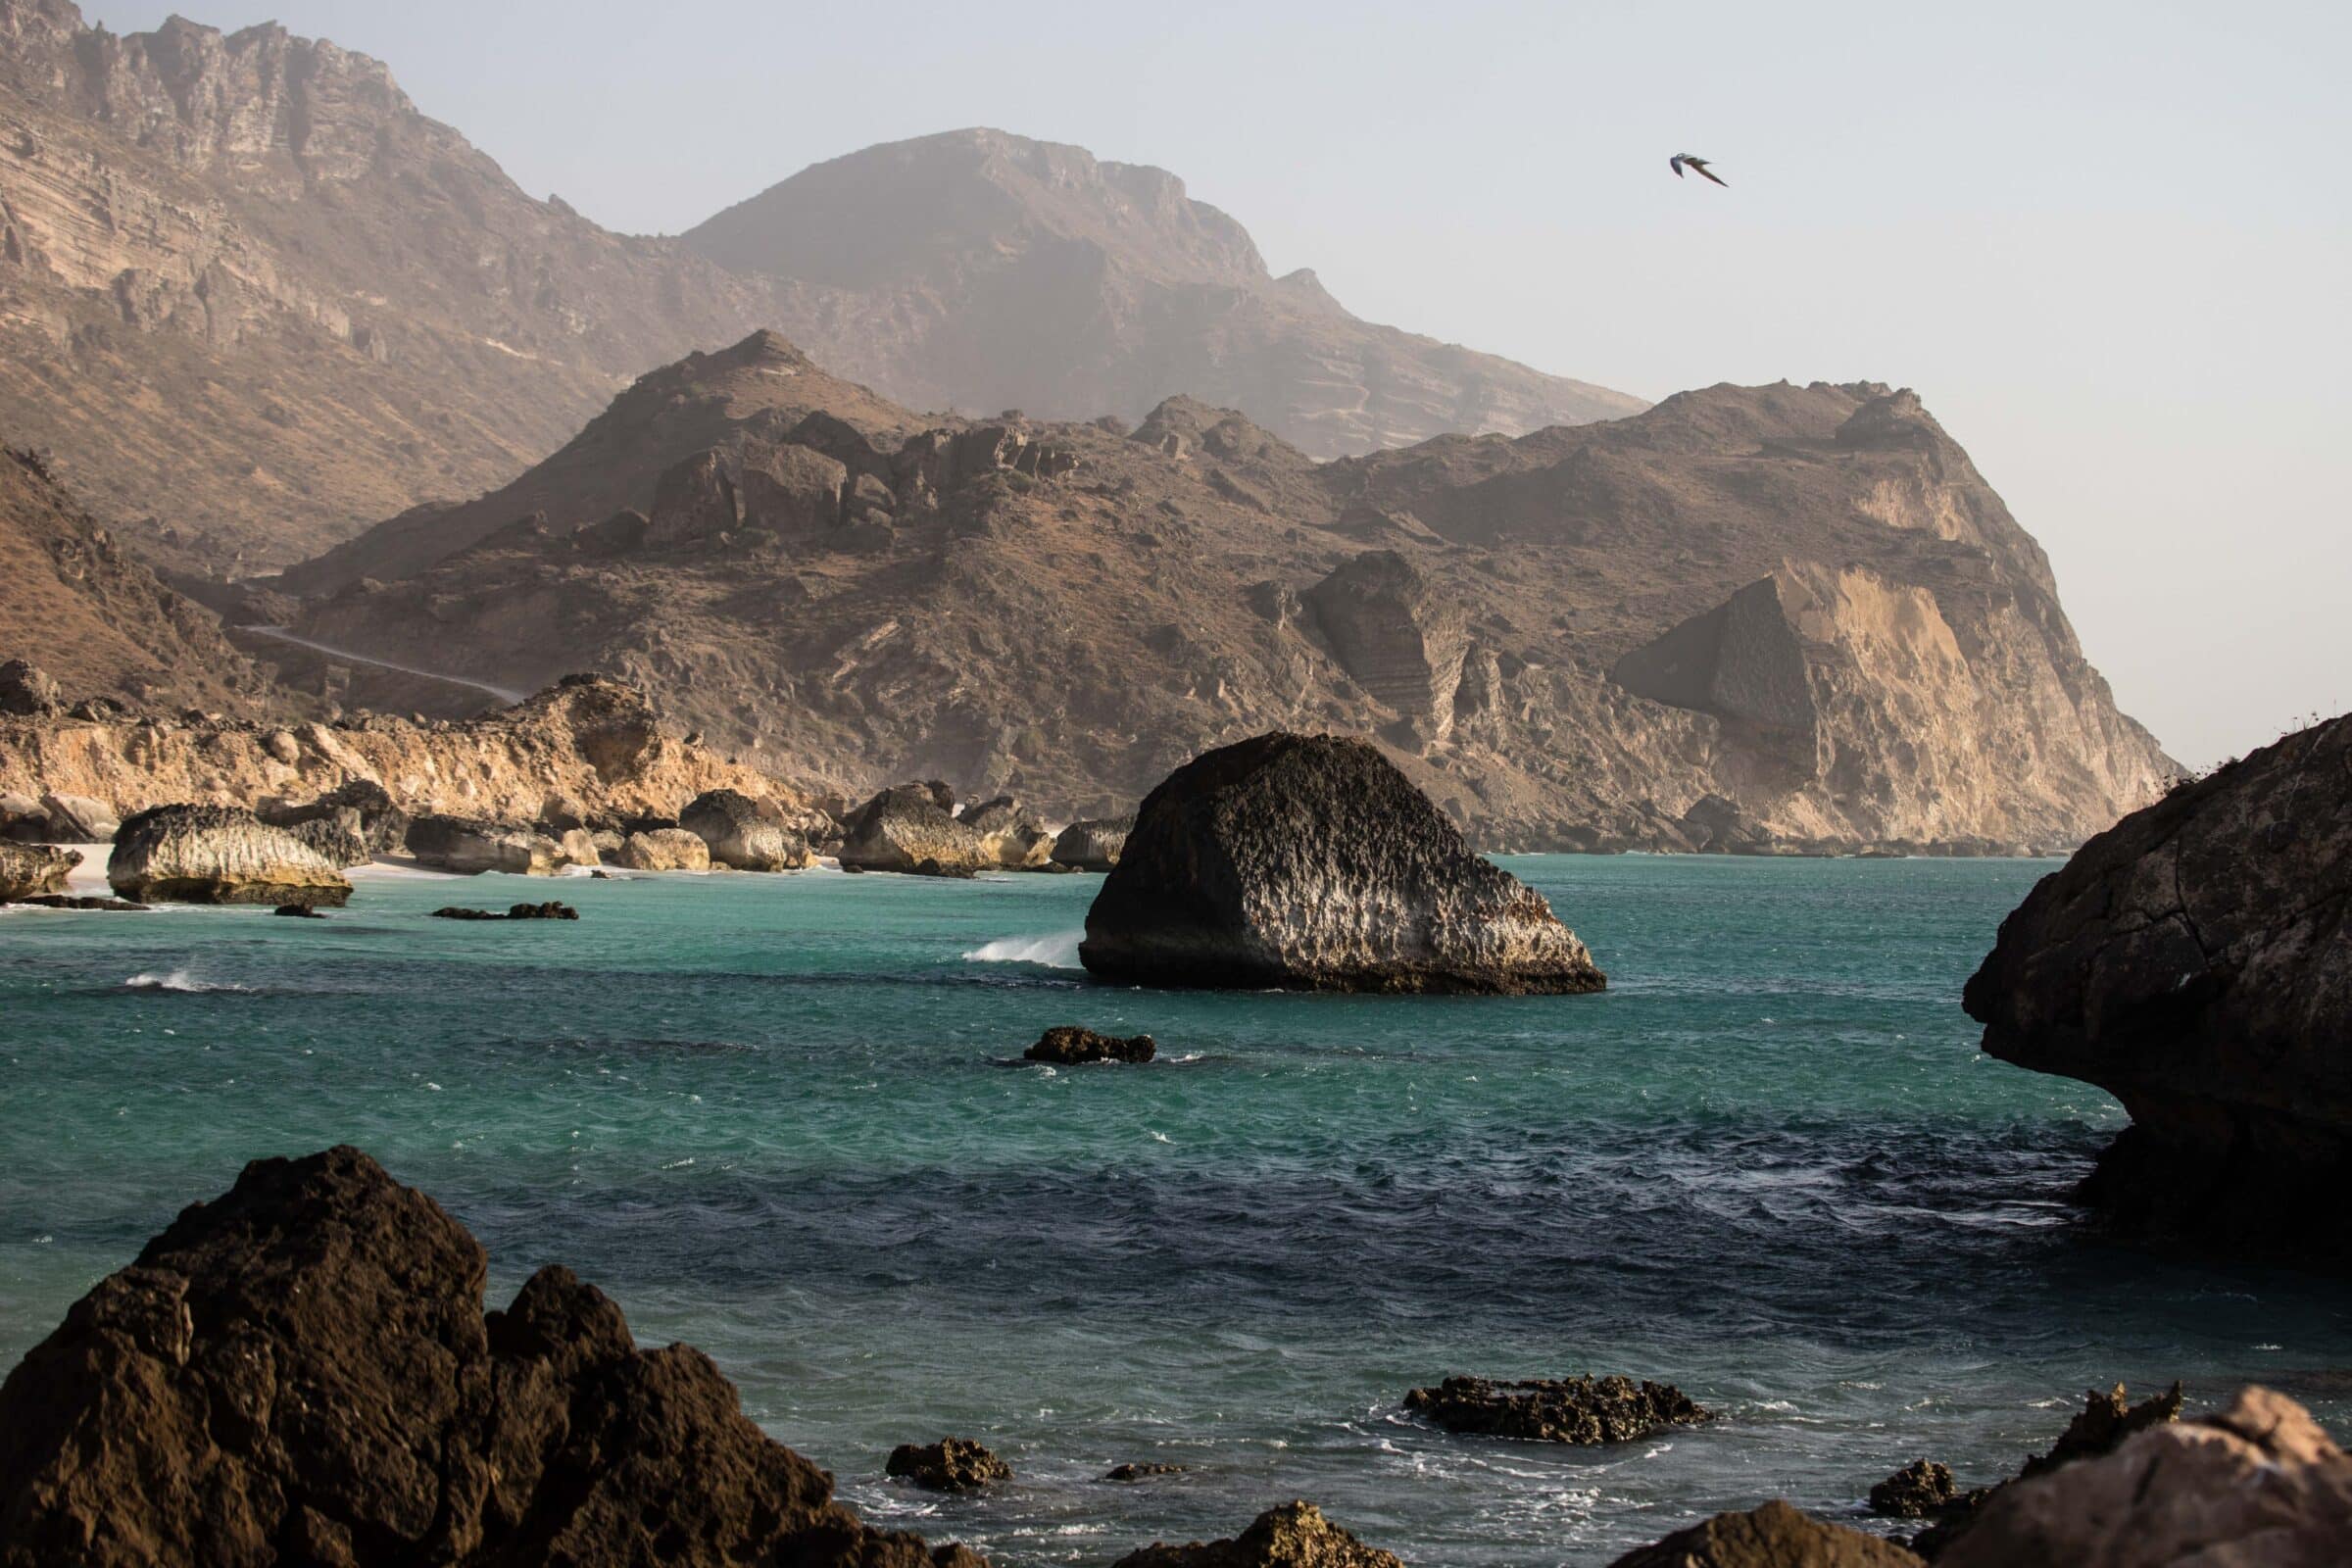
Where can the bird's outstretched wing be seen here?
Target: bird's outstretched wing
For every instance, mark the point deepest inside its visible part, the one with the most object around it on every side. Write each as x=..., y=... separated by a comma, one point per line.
x=1676, y=164
x=1700, y=165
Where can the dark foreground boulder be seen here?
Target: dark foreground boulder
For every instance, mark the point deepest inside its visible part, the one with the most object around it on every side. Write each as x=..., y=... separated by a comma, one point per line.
x=2195, y=961
x=1067, y=1044
x=33, y=870
x=952, y=1464
x=1580, y=1410
x=2104, y=1422
x=218, y=855
x=64, y=901
x=1309, y=861
x=1775, y=1535
x=300, y=1371
x=549, y=911
x=1293, y=1535
x=2258, y=1483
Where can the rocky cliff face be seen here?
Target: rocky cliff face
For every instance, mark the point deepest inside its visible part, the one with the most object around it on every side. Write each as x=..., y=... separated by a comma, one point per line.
x=588, y=744
x=300, y=1371
x=2195, y=961
x=980, y=271
x=1751, y=618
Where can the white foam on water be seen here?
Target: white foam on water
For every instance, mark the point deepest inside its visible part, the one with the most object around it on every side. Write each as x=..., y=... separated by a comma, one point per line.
x=177, y=980
x=1058, y=952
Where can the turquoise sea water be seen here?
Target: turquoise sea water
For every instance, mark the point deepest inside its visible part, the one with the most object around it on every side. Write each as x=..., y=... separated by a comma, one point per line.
x=771, y=1116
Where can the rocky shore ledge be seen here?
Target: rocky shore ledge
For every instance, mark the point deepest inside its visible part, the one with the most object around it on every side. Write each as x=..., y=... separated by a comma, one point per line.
x=2195, y=961
x=1310, y=863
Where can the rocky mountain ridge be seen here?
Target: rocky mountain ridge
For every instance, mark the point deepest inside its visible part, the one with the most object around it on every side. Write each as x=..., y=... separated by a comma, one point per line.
x=1750, y=619
x=251, y=299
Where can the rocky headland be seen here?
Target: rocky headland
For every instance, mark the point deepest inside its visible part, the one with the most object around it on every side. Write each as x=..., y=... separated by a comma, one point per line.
x=301, y=1370
x=1309, y=861
x=2195, y=961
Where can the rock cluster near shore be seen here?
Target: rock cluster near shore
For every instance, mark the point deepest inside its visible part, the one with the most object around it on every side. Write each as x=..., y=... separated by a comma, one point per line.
x=2195, y=961
x=219, y=855
x=1309, y=861
x=302, y=1371
x=1578, y=1410
x=1295, y=1535
x=737, y=831
x=35, y=870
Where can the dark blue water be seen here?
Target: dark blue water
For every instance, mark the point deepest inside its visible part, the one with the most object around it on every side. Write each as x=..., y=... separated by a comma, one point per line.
x=769, y=1116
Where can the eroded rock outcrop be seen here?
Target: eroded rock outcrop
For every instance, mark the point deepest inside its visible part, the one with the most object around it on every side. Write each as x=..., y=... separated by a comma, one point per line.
x=1310, y=861
x=1295, y=1535
x=663, y=849
x=2105, y=1421
x=952, y=1464
x=218, y=855
x=1398, y=635
x=1069, y=1045
x=1010, y=836
x=470, y=846
x=2195, y=961
x=2259, y=1483
x=739, y=832
x=33, y=870
x=1775, y=1535
x=28, y=690
x=302, y=1370
x=1093, y=845
x=902, y=829
x=1580, y=1410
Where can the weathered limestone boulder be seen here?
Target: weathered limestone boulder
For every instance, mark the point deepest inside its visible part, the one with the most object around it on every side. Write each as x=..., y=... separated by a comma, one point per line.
x=33, y=870
x=740, y=832
x=80, y=820
x=218, y=855
x=2195, y=961
x=1579, y=1411
x=382, y=824
x=472, y=844
x=900, y=828
x=1311, y=862
x=664, y=849
x=1401, y=636
x=1293, y=1535
x=300, y=1371
x=1775, y=1535
x=952, y=1464
x=1010, y=836
x=2258, y=1483
x=28, y=692
x=1069, y=1045
x=1093, y=845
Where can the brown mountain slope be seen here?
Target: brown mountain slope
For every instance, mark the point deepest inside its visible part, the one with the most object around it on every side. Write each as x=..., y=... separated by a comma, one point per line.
x=979, y=271
x=247, y=289
x=94, y=619
x=1774, y=613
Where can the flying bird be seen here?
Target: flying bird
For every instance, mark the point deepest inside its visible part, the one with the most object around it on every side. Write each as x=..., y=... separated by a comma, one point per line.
x=1680, y=161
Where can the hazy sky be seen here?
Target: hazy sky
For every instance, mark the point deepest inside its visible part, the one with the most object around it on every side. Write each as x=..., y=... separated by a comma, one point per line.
x=2109, y=243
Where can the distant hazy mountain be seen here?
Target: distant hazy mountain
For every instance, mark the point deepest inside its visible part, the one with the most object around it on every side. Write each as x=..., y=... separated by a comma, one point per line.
x=980, y=271
x=251, y=300
x=1748, y=615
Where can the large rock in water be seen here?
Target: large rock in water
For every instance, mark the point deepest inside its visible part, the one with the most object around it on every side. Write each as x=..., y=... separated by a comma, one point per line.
x=33, y=870
x=2195, y=961
x=2258, y=1483
x=1293, y=1535
x=1775, y=1535
x=300, y=1371
x=218, y=855
x=1309, y=861
x=903, y=827
x=739, y=833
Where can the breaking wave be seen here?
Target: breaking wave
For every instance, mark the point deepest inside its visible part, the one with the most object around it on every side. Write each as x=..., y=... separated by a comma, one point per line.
x=1059, y=952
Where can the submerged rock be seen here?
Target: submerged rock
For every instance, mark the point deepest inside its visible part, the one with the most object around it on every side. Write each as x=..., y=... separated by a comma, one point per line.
x=1067, y=1044
x=549, y=911
x=664, y=849
x=218, y=855
x=1142, y=1472
x=33, y=870
x=1293, y=1535
x=2195, y=961
x=1775, y=1535
x=2258, y=1483
x=1311, y=862
x=738, y=832
x=952, y=1464
x=1094, y=844
x=1580, y=1410
x=300, y=1371
x=299, y=911
x=61, y=901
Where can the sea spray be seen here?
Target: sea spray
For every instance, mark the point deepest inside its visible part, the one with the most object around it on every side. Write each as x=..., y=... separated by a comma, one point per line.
x=1058, y=952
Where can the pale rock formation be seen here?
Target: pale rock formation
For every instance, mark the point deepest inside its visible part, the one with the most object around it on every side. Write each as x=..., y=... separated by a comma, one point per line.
x=218, y=855
x=742, y=834
x=1009, y=835
x=1398, y=636
x=1310, y=861
x=1093, y=845
x=472, y=844
x=905, y=827
x=33, y=870
x=663, y=849
x=78, y=818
